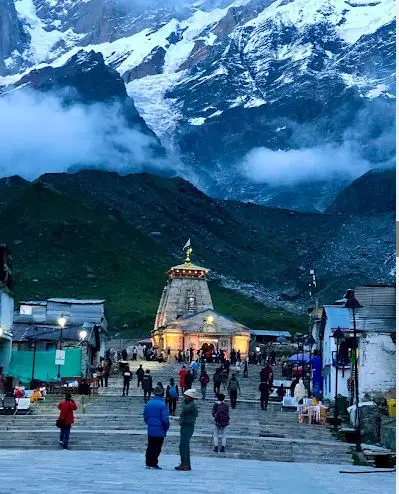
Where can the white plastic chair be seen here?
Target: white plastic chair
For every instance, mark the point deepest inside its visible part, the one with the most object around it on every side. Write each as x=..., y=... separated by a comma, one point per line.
x=23, y=405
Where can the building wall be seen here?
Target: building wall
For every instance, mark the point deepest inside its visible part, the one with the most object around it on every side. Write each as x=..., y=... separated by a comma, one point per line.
x=6, y=311
x=6, y=320
x=377, y=363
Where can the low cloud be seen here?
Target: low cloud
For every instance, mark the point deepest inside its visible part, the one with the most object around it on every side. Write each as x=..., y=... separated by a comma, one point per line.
x=40, y=134
x=296, y=166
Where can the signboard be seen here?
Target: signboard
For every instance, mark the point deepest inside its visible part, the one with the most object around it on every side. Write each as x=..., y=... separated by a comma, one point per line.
x=223, y=343
x=59, y=357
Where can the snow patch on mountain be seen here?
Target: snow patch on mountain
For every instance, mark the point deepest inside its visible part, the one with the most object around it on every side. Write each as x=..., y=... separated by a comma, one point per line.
x=42, y=40
x=353, y=19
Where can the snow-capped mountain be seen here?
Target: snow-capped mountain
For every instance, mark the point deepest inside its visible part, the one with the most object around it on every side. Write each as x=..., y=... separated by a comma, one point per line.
x=277, y=101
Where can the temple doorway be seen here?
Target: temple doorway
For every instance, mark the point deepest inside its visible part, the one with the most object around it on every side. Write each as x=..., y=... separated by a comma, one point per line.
x=207, y=347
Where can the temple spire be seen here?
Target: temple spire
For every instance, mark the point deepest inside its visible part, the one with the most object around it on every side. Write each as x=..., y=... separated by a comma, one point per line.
x=188, y=250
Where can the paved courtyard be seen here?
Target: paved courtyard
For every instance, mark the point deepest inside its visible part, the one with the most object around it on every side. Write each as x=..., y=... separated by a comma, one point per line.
x=53, y=472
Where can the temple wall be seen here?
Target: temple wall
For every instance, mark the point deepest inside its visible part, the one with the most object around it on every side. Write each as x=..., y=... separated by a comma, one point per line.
x=176, y=297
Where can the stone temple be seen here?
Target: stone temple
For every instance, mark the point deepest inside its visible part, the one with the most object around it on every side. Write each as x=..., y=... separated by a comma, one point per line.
x=186, y=317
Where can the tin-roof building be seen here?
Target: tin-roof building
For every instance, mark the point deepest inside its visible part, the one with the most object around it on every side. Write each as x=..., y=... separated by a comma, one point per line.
x=36, y=328
x=376, y=327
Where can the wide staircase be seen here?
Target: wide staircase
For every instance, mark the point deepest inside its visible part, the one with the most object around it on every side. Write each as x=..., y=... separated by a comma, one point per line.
x=113, y=422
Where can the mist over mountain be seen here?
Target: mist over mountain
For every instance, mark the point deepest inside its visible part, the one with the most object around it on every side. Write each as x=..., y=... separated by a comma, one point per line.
x=280, y=103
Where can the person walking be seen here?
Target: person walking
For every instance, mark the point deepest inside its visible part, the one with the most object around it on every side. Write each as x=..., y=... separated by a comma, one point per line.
x=233, y=389
x=188, y=416
x=281, y=392
x=300, y=392
x=127, y=377
x=107, y=372
x=66, y=419
x=84, y=392
x=172, y=396
x=182, y=378
x=220, y=414
x=264, y=394
x=188, y=380
x=156, y=417
x=217, y=381
x=204, y=380
x=135, y=351
x=246, y=368
x=266, y=374
x=100, y=375
x=168, y=355
x=292, y=386
x=140, y=374
x=146, y=384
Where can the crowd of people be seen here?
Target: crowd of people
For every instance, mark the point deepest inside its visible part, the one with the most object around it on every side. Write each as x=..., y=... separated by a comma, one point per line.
x=161, y=403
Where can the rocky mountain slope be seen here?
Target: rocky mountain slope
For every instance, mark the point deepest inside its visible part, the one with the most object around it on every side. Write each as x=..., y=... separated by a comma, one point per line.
x=280, y=102
x=371, y=193
x=99, y=234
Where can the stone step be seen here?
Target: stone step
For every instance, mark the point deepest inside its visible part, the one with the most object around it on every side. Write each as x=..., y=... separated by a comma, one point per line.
x=239, y=447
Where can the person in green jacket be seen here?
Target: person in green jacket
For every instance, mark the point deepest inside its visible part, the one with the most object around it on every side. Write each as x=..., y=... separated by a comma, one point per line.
x=188, y=416
x=233, y=388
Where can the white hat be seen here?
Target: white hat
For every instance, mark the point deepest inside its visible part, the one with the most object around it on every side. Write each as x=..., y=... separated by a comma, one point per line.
x=192, y=393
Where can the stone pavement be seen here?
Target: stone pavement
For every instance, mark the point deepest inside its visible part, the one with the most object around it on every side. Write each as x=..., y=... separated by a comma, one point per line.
x=115, y=423
x=56, y=472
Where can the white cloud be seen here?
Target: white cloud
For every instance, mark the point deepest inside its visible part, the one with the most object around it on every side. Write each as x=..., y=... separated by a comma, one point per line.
x=295, y=166
x=40, y=134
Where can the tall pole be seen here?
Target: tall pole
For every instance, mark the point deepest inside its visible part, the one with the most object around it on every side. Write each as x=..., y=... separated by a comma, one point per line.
x=60, y=347
x=33, y=361
x=336, y=389
x=357, y=414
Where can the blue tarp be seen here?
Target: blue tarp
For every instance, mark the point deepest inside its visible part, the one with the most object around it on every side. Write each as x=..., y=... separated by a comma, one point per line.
x=300, y=357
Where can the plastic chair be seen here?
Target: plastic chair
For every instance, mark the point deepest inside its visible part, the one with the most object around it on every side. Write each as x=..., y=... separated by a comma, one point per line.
x=23, y=405
x=303, y=412
x=9, y=405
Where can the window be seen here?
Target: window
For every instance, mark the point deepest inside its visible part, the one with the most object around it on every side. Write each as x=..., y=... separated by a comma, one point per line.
x=25, y=310
x=191, y=302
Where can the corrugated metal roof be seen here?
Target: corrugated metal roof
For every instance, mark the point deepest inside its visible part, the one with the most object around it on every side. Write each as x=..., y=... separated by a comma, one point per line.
x=376, y=295
x=27, y=332
x=269, y=332
x=75, y=301
x=338, y=316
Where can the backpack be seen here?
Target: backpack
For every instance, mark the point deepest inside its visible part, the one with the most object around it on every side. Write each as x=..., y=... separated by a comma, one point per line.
x=222, y=417
x=233, y=386
x=217, y=378
x=173, y=391
x=204, y=380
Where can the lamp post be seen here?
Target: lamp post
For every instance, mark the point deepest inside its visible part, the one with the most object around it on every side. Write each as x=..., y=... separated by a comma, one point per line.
x=353, y=305
x=310, y=342
x=61, y=321
x=338, y=336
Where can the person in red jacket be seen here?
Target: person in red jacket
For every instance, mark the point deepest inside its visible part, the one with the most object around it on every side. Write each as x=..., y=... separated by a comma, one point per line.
x=66, y=407
x=182, y=378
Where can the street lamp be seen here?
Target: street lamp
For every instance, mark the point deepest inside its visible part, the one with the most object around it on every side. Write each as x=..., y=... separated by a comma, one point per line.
x=61, y=322
x=338, y=336
x=353, y=305
x=83, y=334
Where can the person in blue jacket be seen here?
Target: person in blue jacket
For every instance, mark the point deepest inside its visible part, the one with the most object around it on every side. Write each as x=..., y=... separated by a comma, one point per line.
x=156, y=416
